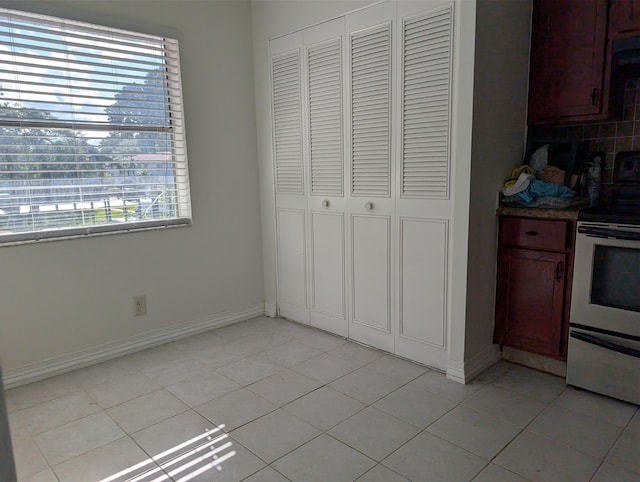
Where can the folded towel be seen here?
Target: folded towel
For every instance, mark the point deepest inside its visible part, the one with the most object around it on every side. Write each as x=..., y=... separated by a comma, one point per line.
x=519, y=185
x=539, y=189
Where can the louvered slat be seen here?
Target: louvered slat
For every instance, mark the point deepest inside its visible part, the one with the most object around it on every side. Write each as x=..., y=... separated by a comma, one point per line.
x=285, y=71
x=325, y=117
x=370, y=111
x=426, y=101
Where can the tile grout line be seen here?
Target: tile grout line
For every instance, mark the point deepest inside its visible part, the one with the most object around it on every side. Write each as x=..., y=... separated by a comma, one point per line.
x=523, y=429
x=325, y=432
x=421, y=430
x=366, y=405
x=461, y=403
x=600, y=460
x=613, y=444
x=51, y=466
x=424, y=430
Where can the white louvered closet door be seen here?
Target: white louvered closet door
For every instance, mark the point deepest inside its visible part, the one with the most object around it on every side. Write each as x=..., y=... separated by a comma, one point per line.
x=370, y=184
x=286, y=66
x=324, y=63
x=424, y=206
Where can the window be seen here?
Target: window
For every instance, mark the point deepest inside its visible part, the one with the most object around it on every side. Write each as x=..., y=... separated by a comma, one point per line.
x=91, y=130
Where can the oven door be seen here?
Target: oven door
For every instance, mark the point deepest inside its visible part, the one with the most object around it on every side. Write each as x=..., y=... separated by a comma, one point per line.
x=606, y=278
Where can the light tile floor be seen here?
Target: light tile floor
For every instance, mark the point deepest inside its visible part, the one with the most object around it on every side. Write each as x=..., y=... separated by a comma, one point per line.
x=270, y=400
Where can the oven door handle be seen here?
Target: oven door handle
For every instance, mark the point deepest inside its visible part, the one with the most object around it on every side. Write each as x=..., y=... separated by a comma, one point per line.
x=594, y=340
x=609, y=233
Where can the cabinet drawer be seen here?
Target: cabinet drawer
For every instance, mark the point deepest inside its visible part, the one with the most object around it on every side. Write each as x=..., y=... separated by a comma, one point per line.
x=534, y=233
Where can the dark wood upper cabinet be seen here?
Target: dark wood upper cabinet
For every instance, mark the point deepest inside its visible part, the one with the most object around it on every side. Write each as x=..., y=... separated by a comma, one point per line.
x=568, y=57
x=624, y=18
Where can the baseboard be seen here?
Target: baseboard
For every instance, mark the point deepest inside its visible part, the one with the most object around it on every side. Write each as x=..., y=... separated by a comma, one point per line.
x=66, y=363
x=270, y=309
x=464, y=372
x=532, y=360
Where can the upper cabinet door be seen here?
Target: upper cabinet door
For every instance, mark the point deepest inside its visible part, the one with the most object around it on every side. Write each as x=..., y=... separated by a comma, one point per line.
x=624, y=18
x=567, y=60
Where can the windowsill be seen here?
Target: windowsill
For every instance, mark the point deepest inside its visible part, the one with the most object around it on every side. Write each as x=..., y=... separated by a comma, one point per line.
x=89, y=232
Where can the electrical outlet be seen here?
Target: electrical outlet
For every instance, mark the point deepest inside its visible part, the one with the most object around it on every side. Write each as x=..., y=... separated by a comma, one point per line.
x=140, y=305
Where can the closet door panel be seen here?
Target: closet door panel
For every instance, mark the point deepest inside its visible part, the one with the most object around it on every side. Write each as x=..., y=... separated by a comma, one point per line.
x=292, y=263
x=325, y=83
x=423, y=280
x=424, y=207
x=325, y=107
x=426, y=95
x=371, y=111
x=371, y=188
x=286, y=64
x=327, y=265
x=287, y=122
x=362, y=135
x=371, y=271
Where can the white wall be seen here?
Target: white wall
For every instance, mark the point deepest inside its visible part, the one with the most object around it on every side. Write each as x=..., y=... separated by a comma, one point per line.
x=462, y=122
x=499, y=120
x=60, y=297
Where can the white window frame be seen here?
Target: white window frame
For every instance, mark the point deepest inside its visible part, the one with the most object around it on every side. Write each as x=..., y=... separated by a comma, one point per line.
x=174, y=129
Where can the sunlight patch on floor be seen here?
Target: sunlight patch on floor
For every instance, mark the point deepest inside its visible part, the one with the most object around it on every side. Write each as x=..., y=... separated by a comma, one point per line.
x=185, y=460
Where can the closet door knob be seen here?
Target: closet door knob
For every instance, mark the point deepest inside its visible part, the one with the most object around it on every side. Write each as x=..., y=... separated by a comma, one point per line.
x=368, y=206
x=325, y=203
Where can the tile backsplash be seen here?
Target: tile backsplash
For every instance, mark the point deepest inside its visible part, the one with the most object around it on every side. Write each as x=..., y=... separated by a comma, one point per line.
x=608, y=137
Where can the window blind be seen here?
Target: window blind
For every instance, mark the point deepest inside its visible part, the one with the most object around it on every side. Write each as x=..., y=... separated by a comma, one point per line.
x=91, y=129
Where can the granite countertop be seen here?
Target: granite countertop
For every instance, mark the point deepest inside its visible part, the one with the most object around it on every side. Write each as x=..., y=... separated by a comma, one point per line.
x=543, y=213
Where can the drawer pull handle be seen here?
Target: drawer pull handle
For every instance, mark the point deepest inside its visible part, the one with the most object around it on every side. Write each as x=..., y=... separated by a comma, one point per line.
x=559, y=270
x=594, y=340
x=532, y=233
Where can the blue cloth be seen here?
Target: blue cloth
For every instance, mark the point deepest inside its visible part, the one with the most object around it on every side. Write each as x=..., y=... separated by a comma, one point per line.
x=538, y=189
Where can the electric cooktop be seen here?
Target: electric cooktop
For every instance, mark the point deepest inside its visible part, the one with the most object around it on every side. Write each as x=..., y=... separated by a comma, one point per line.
x=611, y=213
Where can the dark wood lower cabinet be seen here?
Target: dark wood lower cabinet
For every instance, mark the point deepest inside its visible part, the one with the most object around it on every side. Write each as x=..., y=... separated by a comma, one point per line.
x=533, y=285
x=531, y=305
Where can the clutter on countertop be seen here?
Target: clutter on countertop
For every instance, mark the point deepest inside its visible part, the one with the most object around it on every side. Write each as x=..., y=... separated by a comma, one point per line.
x=519, y=185
x=539, y=184
x=539, y=159
x=532, y=192
x=515, y=174
x=552, y=174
